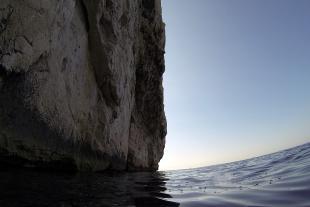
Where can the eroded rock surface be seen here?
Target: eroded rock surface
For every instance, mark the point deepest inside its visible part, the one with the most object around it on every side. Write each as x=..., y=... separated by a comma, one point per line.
x=81, y=84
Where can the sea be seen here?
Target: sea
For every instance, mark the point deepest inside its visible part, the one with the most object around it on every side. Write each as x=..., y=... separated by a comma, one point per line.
x=278, y=179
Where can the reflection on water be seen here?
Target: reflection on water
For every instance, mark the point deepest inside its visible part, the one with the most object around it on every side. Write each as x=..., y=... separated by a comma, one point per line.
x=27, y=188
x=279, y=179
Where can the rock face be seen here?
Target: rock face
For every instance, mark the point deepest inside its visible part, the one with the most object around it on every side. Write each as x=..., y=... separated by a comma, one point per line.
x=81, y=84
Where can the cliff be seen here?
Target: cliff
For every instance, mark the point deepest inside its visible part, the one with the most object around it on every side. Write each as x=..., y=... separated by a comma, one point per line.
x=81, y=84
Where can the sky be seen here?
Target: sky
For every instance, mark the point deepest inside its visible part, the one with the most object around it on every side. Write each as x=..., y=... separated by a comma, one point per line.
x=237, y=80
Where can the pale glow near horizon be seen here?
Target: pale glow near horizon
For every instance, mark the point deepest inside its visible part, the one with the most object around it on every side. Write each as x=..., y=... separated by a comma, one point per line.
x=237, y=79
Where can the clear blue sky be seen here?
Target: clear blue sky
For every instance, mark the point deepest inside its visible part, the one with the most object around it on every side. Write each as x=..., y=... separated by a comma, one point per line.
x=237, y=80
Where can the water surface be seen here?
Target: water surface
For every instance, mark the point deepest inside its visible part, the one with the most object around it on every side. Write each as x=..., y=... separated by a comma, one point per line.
x=279, y=179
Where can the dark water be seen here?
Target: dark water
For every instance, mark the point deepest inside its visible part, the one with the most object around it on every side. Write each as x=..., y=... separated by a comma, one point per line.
x=279, y=179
